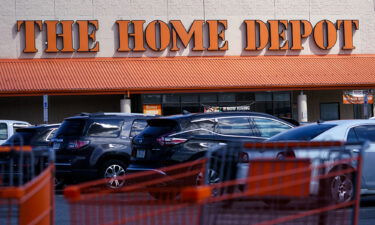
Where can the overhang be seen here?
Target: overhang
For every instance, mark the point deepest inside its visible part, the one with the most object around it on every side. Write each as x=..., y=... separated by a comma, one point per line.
x=184, y=74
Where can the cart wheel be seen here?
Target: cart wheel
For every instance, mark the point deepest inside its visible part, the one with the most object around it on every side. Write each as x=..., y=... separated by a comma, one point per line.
x=341, y=188
x=113, y=170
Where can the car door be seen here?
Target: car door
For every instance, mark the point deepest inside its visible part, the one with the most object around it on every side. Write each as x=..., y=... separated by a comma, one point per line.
x=360, y=134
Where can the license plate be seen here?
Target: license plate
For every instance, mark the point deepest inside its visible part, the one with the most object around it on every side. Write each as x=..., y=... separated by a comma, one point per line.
x=56, y=145
x=141, y=153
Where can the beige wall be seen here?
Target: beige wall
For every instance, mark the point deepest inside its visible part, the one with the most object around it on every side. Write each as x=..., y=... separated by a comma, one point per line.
x=234, y=11
x=31, y=108
x=314, y=98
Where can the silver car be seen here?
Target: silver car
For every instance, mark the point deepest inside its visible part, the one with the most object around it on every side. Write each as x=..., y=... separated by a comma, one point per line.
x=349, y=131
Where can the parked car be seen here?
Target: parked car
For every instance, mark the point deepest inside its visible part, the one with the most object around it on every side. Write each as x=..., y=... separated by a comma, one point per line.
x=349, y=131
x=96, y=145
x=39, y=138
x=8, y=127
x=180, y=138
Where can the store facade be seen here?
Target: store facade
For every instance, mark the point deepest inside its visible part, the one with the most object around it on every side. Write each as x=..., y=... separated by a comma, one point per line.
x=304, y=60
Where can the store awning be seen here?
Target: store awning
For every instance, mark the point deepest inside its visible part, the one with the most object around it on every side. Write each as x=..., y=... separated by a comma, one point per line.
x=184, y=74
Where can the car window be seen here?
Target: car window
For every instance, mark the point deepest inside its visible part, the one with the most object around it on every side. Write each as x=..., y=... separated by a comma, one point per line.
x=238, y=126
x=157, y=127
x=45, y=136
x=104, y=128
x=268, y=127
x=137, y=127
x=352, y=136
x=203, y=126
x=304, y=133
x=71, y=128
x=363, y=133
x=3, y=131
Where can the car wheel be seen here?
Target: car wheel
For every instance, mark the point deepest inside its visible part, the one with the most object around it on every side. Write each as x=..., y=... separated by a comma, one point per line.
x=213, y=177
x=113, y=171
x=341, y=188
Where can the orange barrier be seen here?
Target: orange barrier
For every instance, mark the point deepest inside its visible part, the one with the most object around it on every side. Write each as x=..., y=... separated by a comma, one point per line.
x=34, y=201
x=29, y=203
x=15, y=148
x=274, y=191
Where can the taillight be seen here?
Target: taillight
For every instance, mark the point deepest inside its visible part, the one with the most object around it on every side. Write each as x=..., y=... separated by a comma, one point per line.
x=168, y=141
x=244, y=157
x=77, y=144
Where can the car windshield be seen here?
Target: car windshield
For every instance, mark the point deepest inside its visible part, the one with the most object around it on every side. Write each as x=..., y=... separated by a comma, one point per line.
x=304, y=133
x=71, y=128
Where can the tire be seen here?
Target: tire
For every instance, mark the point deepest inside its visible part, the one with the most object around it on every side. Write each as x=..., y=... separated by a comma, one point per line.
x=112, y=170
x=340, y=188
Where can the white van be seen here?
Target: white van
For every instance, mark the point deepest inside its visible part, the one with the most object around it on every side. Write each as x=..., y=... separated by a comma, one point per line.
x=8, y=127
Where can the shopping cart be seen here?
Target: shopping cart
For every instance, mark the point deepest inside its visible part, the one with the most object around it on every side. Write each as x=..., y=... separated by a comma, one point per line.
x=284, y=183
x=26, y=186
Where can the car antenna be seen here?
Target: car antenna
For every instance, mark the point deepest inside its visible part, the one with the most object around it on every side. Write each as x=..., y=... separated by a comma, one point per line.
x=320, y=121
x=185, y=112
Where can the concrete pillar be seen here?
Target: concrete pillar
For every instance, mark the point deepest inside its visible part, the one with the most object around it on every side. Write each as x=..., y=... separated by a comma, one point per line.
x=125, y=105
x=302, y=108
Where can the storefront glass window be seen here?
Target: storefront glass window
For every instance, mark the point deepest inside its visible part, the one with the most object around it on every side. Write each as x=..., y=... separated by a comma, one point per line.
x=281, y=96
x=193, y=108
x=189, y=98
x=227, y=97
x=151, y=99
x=212, y=98
x=274, y=103
x=245, y=97
x=330, y=111
x=263, y=96
x=171, y=98
x=171, y=109
x=265, y=107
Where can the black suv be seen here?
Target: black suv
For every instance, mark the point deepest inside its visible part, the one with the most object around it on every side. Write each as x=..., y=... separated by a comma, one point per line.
x=174, y=139
x=97, y=145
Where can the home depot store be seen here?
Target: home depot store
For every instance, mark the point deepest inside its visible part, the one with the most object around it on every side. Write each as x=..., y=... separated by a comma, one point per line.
x=180, y=55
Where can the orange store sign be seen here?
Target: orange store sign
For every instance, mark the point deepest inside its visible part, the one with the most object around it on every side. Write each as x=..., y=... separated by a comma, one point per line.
x=152, y=109
x=137, y=36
